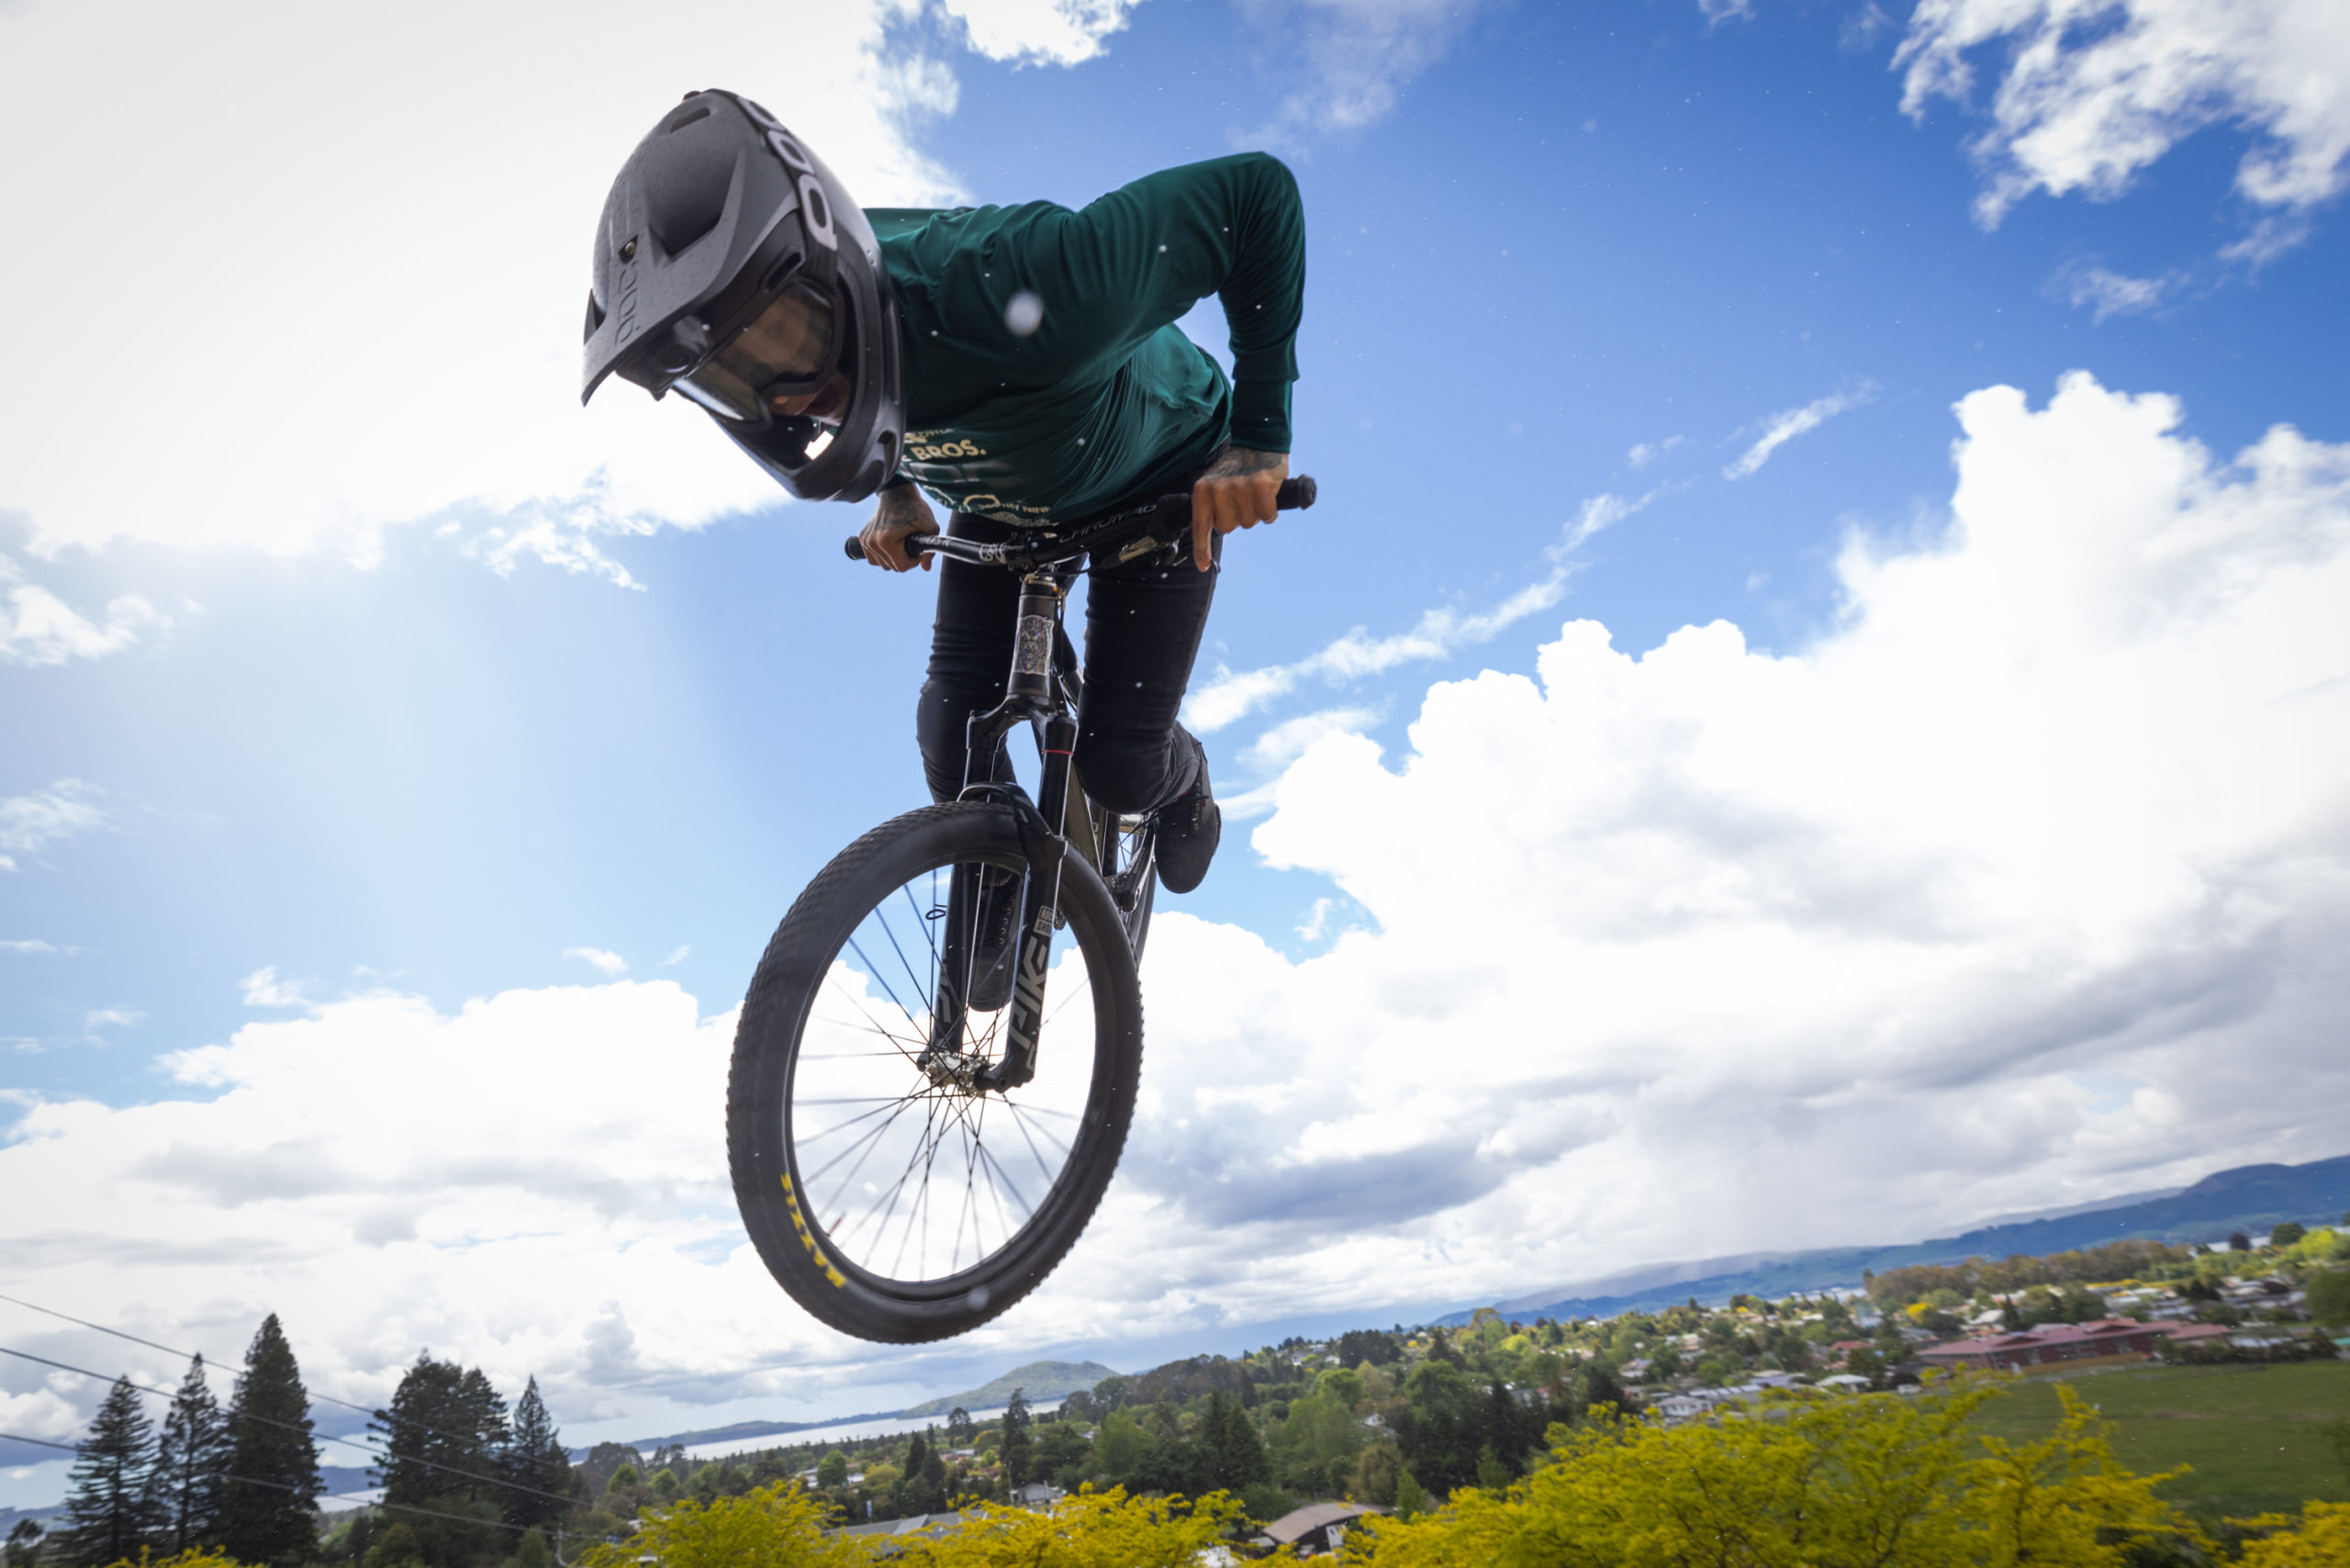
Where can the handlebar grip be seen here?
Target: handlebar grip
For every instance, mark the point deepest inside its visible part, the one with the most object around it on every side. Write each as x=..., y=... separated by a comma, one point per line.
x=854, y=547
x=1295, y=495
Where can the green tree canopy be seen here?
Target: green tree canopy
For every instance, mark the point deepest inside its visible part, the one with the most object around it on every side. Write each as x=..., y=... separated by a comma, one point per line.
x=535, y=1465
x=444, y=1436
x=1011, y=1449
x=1235, y=1458
x=113, y=1504
x=191, y=1464
x=2329, y=1296
x=269, y=1513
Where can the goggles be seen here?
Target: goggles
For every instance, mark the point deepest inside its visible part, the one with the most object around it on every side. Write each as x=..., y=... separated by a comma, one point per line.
x=786, y=350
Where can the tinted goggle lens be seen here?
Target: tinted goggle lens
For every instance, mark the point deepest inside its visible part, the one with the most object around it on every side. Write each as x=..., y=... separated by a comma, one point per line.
x=786, y=350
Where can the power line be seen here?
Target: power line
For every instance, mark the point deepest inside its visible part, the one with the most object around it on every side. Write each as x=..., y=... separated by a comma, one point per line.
x=198, y=1355
x=294, y=1426
x=283, y=1486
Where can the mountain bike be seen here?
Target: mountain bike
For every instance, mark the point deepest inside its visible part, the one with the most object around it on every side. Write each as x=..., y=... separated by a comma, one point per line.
x=909, y=1157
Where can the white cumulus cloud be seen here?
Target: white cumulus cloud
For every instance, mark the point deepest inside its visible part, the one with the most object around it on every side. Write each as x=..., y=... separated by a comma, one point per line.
x=2062, y=801
x=1350, y=61
x=263, y=989
x=30, y=823
x=2093, y=91
x=1780, y=429
x=1056, y=32
x=2027, y=882
x=38, y=628
x=1232, y=695
x=2113, y=294
x=609, y=962
x=385, y=214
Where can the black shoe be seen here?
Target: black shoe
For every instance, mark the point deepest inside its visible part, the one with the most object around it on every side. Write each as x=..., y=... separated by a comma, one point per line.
x=1189, y=828
x=991, y=963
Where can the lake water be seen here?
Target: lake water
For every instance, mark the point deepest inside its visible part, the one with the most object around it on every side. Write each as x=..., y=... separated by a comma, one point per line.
x=874, y=1426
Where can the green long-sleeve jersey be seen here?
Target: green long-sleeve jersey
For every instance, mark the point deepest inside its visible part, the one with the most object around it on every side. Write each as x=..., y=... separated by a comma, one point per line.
x=1046, y=377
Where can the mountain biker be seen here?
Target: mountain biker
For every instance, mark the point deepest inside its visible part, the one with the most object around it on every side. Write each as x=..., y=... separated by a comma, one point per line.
x=1018, y=365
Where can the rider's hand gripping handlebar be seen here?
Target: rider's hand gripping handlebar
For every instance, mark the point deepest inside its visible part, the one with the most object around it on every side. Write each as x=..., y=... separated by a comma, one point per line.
x=1165, y=521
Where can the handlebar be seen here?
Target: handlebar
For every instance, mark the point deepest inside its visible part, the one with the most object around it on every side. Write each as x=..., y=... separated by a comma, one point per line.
x=1138, y=529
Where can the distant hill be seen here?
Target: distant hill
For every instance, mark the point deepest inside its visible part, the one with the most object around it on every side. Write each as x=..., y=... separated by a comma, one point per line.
x=1044, y=1383
x=739, y=1429
x=2249, y=1198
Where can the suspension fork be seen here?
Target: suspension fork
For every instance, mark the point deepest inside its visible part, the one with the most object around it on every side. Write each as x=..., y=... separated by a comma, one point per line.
x=1029, y=697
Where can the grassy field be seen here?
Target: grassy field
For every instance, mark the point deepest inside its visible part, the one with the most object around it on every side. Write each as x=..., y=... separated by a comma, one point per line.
x=2256, y=1435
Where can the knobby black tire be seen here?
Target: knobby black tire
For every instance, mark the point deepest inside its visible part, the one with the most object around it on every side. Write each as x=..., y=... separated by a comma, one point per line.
x=795, y=1245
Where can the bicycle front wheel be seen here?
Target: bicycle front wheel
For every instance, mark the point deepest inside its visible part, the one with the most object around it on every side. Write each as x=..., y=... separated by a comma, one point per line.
x=893, y=1198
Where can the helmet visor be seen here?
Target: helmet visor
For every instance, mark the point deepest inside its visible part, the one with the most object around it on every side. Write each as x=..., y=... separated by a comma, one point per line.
x=787, y=349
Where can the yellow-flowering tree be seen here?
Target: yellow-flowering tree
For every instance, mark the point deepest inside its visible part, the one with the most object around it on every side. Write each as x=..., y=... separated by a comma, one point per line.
x=2322, y=1539
x=1092, y=1529
x=193, y=1557
x=1889, y=1482
x=776, y=1527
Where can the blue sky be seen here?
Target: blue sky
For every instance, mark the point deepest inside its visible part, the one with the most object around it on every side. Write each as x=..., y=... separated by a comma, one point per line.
x=376, y=695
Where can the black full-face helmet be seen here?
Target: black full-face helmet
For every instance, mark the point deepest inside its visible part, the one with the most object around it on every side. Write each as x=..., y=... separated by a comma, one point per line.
x=733, y=267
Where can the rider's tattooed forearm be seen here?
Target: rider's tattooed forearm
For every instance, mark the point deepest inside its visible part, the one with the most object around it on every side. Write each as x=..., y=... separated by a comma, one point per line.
x=903, y=504
x=1245, y=460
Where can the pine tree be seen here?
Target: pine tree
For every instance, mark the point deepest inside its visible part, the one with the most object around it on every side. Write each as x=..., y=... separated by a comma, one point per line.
x=536, y=1465
x=190, y=1463
x=446, y=1437
x=1012, y=1449
x=481, y=1422
x=268, y=1511
x=1234, y=1455
x=113, y=1502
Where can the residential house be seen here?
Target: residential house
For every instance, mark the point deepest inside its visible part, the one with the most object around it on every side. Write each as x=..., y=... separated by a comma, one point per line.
x=2048, y=1344
x=1317, y=1527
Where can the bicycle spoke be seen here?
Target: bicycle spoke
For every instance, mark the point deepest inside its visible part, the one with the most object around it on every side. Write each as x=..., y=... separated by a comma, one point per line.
x=923, y=921
x=837, y=1126
x=915, y=979
x=866, y=1143
x=896, y=1189
x=873, y=973
x=1022, y=1123
x=901, y=1175
x=996, y=1167
x=872, y=1025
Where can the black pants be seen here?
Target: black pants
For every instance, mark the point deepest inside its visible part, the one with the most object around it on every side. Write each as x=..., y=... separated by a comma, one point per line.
x=1143, y=623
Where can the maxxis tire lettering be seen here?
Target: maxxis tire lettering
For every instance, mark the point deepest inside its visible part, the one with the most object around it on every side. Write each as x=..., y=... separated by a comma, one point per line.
x=766, y=1039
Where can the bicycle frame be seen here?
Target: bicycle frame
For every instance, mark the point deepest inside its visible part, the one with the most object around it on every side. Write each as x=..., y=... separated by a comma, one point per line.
x=1041, y=691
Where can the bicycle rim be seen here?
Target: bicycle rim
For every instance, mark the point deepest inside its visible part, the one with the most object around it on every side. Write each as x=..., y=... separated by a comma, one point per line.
x=895, y=1202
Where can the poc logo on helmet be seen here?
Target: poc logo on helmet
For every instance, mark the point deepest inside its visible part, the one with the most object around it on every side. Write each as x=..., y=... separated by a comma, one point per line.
x=814, y=210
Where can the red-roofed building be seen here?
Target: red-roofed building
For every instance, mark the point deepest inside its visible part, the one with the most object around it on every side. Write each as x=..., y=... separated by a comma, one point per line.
x=2195, y=1333
x=2049, y=1344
